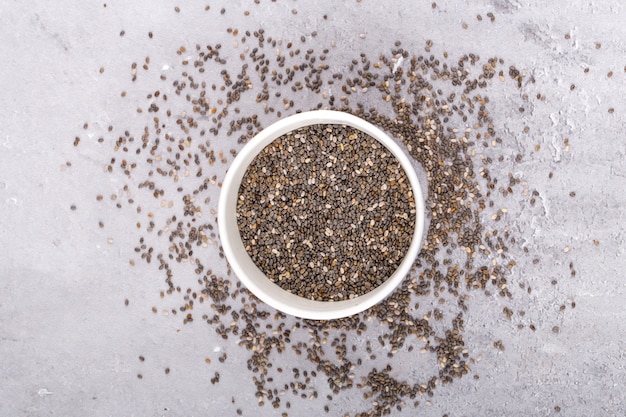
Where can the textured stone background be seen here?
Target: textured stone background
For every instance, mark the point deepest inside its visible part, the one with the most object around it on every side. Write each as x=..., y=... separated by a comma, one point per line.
x=69, y=346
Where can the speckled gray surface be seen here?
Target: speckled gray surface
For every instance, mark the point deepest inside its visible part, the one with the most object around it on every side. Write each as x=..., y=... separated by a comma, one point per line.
x=69, y=345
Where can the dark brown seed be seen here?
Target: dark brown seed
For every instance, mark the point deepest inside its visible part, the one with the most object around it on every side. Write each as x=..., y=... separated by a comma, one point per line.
x=350, y=248
x=457, y=185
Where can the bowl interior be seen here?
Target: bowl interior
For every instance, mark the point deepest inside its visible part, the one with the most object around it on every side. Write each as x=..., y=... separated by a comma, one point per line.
x=243, y=266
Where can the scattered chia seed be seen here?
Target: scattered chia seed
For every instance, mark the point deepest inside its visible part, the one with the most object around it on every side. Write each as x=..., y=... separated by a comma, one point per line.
x=197, y=119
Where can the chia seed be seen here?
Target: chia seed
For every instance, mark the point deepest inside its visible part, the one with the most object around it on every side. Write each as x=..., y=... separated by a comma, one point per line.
x=195, y=120
x=326, y=212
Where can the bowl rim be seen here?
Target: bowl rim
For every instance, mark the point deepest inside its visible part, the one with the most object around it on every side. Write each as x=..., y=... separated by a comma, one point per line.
x=252, y=277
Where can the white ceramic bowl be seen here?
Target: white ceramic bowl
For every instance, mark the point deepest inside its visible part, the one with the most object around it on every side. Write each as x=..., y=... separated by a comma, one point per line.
x=243, y=266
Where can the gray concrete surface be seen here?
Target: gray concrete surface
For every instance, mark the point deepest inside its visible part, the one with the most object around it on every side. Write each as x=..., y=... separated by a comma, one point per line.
x=69, y=345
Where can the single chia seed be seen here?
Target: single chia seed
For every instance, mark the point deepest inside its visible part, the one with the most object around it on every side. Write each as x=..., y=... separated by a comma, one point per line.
x=326, y=212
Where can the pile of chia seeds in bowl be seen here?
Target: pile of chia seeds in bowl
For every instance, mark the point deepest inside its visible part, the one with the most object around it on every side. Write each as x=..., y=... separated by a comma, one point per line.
x=326, y=212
